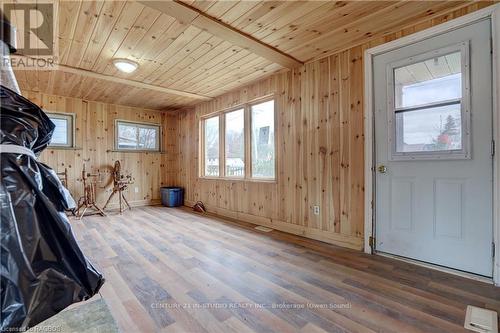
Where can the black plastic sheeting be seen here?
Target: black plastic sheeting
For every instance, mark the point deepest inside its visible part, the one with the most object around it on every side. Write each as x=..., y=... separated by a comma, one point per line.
x=42, y=268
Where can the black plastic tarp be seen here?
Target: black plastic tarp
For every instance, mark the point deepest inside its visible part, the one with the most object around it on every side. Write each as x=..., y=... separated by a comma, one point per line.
x=43, y=269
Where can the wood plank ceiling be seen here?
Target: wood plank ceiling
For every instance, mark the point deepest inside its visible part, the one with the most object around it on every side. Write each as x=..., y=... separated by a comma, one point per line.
x=173, y=53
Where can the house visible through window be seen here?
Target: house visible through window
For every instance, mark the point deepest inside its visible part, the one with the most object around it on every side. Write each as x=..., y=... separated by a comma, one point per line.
x=137, y=136
x=63, y=132
x=232, y=136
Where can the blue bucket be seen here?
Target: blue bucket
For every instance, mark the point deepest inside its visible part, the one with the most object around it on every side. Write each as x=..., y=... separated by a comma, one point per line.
x=172, y=196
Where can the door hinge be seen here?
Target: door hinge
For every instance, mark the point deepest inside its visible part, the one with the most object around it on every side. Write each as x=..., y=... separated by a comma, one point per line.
x=371, y=242
x=493, y=249
x=493, y=146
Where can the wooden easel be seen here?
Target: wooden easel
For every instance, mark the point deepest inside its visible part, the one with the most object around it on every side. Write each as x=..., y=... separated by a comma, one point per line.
x=89, y=195
x=120, y=184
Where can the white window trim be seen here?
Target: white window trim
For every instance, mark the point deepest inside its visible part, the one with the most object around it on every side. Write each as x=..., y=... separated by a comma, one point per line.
x=492, y=12
x=71, y=133
x=138, y=124
x=392, y=127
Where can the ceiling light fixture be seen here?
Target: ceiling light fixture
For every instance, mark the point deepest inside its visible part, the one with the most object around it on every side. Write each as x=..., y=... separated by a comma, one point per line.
x=125, y=65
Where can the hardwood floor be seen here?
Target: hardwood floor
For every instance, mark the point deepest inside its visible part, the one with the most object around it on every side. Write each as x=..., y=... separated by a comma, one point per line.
x=170, y=270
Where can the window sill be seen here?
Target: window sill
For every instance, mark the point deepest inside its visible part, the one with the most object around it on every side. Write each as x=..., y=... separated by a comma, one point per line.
x=135, y=151
x=63, y=148
x=245, y=180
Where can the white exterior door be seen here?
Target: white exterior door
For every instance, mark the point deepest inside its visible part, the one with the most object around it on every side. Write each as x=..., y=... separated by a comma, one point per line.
x=433, y=151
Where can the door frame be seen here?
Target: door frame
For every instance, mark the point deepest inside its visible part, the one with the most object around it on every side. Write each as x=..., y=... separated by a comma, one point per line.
x=492, y=12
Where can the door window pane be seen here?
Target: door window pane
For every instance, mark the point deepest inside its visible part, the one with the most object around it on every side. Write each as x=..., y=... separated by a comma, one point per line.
x=235, y=143
x=430, y=129
x=212, y=146
x=431, y=81
x=263, y=154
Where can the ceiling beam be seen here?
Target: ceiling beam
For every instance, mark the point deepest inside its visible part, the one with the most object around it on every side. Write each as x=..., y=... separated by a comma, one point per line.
x=132, y=83
x=114, y=79
x=189, y=15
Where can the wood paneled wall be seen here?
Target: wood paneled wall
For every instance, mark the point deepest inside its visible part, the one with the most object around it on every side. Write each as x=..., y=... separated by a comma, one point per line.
x=320, y=156
x=94, y=135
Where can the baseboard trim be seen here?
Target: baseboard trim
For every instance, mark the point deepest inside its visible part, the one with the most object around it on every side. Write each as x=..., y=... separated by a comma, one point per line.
x=354, y=243
x=137, y=203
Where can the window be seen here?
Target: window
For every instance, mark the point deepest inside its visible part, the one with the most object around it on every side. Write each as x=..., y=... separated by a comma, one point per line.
x=235, y=143
x=212, y=147
x=239, y=143
x=263, y=140
x=63, y=132
x=137, y=136
x=429, y=105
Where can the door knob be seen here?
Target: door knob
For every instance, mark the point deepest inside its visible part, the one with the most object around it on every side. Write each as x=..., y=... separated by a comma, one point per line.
x=382, y=169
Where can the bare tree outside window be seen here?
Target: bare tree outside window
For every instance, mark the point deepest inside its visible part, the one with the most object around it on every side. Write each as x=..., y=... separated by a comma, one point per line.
x=427, y=96
x=212, y=146
x=263, y=148
x=137, y=136
x=147, y=138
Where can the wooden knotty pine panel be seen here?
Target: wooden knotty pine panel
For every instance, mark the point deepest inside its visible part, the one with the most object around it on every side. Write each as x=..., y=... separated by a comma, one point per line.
x=315, y=165
x=94, y=136
x=320, y=156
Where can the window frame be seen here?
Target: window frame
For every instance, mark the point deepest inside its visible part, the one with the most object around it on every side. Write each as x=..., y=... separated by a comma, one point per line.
x=138, y=124
x=247, y=128
x=250, y=138
x=393, y=126
x=71, y=132
x=202, y=146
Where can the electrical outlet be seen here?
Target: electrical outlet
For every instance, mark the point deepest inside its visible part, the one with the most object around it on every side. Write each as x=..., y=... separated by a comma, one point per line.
x=136, y=189
x=316, y=210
